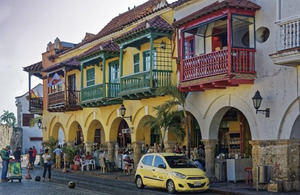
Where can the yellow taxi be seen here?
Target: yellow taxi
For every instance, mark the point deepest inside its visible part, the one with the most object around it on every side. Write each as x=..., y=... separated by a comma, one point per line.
x=173, y=172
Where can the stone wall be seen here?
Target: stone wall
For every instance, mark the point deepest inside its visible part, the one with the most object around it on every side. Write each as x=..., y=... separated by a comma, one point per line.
x=283, y=158
x=10, y=136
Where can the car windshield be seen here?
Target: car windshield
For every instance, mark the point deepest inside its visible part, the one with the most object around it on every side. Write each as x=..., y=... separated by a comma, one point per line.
x=179, y=162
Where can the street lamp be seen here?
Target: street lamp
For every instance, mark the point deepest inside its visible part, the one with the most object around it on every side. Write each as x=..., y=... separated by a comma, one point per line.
x=123, y=112
x=257, y=99
x=40, y=124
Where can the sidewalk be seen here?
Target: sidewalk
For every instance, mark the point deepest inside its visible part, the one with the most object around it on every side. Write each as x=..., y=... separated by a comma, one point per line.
x=217, y=188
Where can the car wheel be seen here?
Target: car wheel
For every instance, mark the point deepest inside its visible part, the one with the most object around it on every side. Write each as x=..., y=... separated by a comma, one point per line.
x=171, y=187
x=139, y=182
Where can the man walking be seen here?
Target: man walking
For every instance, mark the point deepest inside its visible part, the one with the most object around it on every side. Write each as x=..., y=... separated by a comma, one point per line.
x=57, y=153
x=34, y=153
x=5, y=161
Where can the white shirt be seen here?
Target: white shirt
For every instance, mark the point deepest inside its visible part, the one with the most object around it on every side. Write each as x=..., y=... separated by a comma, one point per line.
x=46, y=157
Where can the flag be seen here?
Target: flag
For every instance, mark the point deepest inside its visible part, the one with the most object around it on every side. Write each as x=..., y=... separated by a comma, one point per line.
x=56, y=80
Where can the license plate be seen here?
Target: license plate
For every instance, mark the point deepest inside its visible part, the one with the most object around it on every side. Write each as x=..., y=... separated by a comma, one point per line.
x=197, y=184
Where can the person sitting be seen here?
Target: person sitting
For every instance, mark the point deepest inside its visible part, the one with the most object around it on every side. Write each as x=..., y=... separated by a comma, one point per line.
x=76, y=159
x=88, y=156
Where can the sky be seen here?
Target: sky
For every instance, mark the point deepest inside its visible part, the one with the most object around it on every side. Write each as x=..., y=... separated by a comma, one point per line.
x=26, y=26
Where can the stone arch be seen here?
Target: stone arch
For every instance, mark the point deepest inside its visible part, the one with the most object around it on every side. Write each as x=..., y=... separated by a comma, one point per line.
x=90, y=133
x=217, y=110
x=288, y=120
x=54, y=132
x=112, y=135
x=295, y=134
x=72, y=133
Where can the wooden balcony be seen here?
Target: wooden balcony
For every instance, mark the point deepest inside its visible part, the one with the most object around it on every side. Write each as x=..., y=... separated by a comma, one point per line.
x=218, y=70
x=143, y=84
x=100, y=95
x=64, y=101
x=289, y=45
x=36, y=105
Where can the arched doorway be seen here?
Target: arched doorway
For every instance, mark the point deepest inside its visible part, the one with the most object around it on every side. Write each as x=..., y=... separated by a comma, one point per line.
x=230, y=145
x=96, y=134
x=296, y=129
x=124, y=134
x=58, y=133
x=76, y=134
x=196, y=136
x=234, y=135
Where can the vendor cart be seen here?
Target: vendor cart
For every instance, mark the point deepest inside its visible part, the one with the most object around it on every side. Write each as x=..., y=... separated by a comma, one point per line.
x=14, y=171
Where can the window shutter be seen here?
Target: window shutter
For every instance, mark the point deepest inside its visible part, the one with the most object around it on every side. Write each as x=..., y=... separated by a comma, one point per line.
x=136, y=62
x=26, y=119
x=90, y=77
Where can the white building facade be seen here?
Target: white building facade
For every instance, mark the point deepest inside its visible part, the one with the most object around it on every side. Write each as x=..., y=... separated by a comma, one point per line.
x=250, y=45
x=32, y=136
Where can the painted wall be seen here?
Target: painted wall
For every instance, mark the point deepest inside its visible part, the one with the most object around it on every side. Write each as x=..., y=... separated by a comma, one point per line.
x=279, y=86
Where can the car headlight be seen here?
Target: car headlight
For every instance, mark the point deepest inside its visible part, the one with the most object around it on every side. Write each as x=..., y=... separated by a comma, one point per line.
x=179, y=175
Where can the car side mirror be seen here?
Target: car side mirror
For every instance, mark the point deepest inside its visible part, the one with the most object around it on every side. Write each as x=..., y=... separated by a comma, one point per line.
x=162, y=166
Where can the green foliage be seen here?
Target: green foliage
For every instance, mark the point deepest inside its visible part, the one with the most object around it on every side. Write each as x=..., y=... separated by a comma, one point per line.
x=51, y=144
x=35, y=120
x=70, y=151
x=167, y=120
x=8, y=118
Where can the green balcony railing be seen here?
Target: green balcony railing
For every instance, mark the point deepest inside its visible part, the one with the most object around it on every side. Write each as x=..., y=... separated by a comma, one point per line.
x=143, y=80
x=100, y=91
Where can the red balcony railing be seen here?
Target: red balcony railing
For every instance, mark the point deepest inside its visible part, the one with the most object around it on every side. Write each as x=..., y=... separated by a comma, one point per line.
x=216, y=63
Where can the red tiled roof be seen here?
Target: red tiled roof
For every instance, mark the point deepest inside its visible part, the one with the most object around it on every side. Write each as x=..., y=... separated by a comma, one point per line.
x=70, y=64
x=178, y=3
x=37, y=67
x=105, y=46
x=131, y=16
x=118, y=23
x=240, y=4
x=155, y=23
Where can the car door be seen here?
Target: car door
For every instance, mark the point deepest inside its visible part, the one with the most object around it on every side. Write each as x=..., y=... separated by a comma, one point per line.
x=159, y=171
x=146, y=170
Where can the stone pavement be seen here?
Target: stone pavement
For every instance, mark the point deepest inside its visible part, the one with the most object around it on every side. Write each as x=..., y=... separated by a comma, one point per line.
x=218, y=188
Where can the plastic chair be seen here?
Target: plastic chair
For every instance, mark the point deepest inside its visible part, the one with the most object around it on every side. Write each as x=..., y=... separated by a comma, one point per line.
x=249, y=176
x=84, y=164
x=93, y=163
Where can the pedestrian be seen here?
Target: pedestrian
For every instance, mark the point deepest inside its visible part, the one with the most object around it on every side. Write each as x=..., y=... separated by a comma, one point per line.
x=17, y=154
x=47, y=164
x=34, y=155
x=30, y=158
x=5, y=160
x=146, y=148
x=57, y=153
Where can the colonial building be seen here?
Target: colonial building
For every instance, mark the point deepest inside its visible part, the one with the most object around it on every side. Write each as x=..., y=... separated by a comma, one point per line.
x=229, y=51
x=236, y=59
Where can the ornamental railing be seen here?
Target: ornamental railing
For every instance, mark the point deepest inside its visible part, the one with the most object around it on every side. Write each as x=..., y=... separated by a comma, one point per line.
x=216, y=63
x=142, y=80
x=108, y=90
x=289, y=34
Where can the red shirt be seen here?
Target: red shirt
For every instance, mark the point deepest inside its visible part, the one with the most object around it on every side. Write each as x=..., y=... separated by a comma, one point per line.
x=34, y=152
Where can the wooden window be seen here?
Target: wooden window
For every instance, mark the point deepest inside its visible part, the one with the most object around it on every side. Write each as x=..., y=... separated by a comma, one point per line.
x=136, y=63
x=36, y=139
x=90, y=77
x=26, y=119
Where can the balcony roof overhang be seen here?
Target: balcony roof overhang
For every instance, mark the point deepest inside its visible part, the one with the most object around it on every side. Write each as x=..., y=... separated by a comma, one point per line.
x=288, y=57
x=216, y=9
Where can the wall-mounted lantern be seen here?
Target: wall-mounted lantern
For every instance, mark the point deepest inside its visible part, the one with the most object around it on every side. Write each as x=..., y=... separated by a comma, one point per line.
x=123, y=112
x=257, y=99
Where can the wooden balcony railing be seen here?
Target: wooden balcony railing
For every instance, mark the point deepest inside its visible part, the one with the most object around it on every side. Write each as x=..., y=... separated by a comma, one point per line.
x=289, y=34
x=56, y=99
x=36, y=105
x=108, y=90
x=216, y=63
x=67, y=99
x=160, y=78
